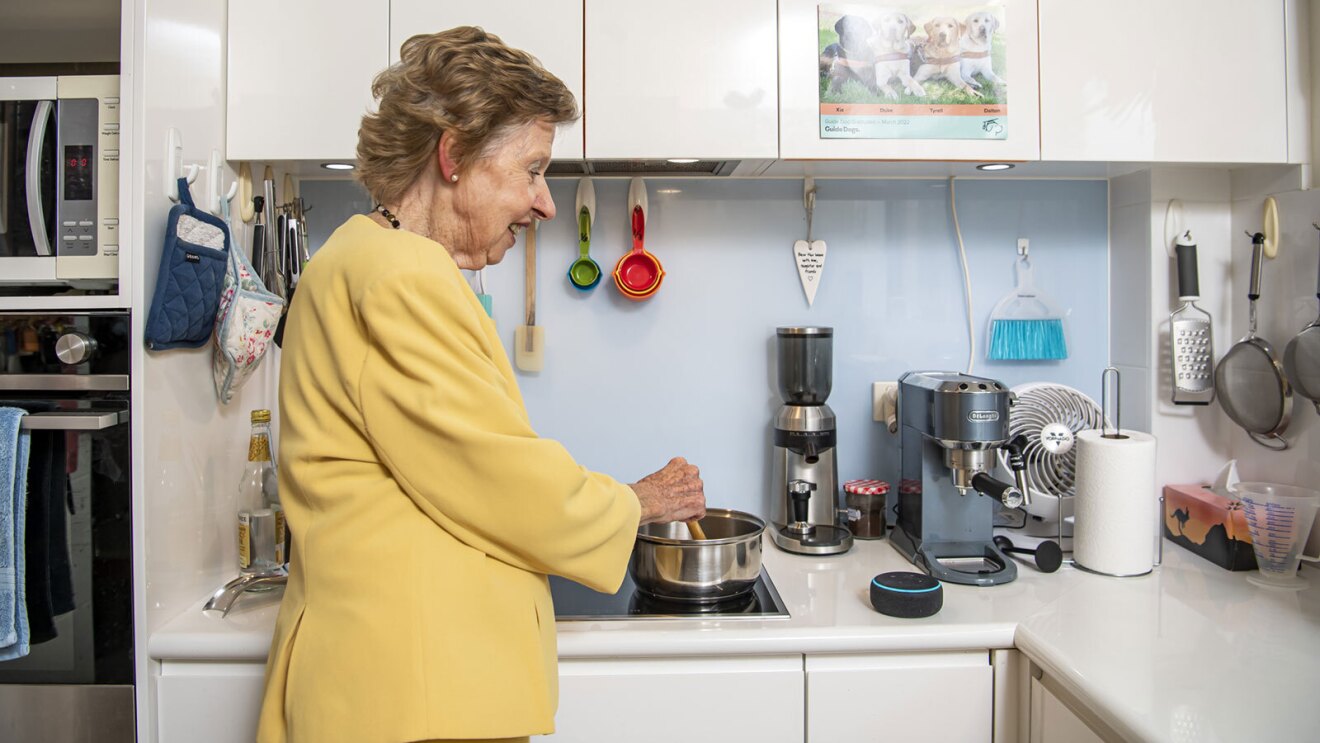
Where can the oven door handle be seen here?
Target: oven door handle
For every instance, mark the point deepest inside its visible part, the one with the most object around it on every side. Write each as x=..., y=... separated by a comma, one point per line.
x=36, y=214
x=62, y=420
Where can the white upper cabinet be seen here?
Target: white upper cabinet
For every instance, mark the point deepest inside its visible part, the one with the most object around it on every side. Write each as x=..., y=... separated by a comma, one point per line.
x=904, y=81
x=1166, y=81
x=299, y=76
x=550, y=30
x=680, y=79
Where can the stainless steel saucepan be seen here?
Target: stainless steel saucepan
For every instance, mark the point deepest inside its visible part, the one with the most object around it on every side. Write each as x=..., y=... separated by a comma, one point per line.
x=667, y=564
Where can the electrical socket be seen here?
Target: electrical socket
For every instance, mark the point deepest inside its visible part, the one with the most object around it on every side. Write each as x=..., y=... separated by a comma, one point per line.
x=884, y=403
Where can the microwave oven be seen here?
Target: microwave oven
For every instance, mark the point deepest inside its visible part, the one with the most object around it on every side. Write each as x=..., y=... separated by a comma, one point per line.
x=59, y=183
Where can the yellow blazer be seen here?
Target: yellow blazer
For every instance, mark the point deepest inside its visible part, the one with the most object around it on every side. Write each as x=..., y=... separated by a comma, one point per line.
x=425, y=512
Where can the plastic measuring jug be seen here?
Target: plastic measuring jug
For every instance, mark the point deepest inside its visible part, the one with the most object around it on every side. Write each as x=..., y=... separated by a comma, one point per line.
x=1279, y=518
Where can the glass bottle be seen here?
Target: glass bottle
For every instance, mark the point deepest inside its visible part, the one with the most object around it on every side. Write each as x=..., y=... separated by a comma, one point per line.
x=261, y=539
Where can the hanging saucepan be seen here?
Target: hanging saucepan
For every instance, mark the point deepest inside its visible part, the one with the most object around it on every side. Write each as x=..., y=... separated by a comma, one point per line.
x=585, y=273
x=1301, y=359
x=1249, y=381
x=638, y=274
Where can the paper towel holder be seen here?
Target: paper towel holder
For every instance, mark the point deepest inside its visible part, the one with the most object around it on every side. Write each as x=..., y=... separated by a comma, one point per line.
x=1104, y=404
x=1117, y=434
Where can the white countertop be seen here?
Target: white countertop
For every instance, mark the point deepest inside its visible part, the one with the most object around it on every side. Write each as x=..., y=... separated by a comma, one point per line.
x=1190, y=652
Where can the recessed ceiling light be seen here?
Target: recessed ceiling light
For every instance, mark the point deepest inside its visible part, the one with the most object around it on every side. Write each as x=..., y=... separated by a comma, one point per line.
x=995, y=166
x=669, y=190
x=682, y=160
x=337, y=166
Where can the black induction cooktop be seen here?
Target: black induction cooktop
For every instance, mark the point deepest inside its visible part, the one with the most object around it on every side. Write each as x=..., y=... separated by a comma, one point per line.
x=576, y=602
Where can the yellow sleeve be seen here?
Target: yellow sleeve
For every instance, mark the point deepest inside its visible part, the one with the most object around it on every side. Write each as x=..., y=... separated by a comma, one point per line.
x=453, y=432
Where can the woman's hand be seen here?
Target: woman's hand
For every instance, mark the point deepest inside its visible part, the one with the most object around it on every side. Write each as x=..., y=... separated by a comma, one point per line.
x=675, y=493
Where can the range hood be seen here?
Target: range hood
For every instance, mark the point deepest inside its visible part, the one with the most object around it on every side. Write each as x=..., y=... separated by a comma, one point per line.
x=657, y=168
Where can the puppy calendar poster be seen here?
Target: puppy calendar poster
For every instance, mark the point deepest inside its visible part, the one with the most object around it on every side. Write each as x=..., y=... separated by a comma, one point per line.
x=913, y=70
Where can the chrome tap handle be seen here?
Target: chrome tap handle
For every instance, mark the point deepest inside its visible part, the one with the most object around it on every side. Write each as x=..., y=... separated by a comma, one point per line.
x=224, y=598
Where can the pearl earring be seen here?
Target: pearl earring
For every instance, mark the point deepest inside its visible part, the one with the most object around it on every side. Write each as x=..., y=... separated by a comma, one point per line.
x=454, y=178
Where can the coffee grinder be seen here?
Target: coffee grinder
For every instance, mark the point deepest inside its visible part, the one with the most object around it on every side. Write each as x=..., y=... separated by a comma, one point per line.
x=951, y=425
x=805, y=482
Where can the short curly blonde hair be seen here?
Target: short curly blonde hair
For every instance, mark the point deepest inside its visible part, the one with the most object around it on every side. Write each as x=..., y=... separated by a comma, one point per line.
x=464, y=81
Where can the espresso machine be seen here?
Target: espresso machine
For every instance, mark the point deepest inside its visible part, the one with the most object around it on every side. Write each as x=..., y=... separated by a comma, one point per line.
x=805, y=482
x=951, y=425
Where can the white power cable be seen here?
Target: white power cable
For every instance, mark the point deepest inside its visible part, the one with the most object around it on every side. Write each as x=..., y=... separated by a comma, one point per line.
x=967, y=279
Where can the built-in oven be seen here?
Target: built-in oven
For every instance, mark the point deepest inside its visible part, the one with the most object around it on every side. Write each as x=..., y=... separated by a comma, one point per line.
x=59, y=184
x=69, y=372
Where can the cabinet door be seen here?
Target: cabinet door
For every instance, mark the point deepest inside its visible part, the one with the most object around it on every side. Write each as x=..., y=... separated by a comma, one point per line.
x=681, y=79
x=299, y=76
x=913, y=697
x=1052, y=721
x=929, y=122
x=209, y=702
x=550, y=30
x=1168, y=81
x=706, y=700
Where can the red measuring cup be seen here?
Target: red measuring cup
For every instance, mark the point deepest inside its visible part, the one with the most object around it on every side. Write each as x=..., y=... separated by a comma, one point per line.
x=638, y=274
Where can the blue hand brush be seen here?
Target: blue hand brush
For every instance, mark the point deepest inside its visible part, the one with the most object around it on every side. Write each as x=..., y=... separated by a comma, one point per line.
x=1026, y=325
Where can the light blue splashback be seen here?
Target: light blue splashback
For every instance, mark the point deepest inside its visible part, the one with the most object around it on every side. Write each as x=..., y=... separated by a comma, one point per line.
x=690, y=372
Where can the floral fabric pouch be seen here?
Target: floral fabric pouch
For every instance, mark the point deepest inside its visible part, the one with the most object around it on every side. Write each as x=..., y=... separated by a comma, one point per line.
x=244, y=324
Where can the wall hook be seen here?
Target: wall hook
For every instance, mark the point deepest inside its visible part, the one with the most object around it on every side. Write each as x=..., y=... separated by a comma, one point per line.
x=216, y=193
x=174, y=167
x=809, y=201
x=1175, y=223
x=1270, y=226
x=245, y=210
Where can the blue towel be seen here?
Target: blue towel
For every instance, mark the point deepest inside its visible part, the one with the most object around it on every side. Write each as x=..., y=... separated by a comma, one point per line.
x=14, y=443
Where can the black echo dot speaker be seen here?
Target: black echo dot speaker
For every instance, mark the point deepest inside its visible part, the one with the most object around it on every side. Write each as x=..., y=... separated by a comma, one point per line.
x=906, y=595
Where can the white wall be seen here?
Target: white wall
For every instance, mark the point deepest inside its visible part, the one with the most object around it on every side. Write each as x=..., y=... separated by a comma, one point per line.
x=1287, y=304
x=188, y=451
x=1193, y=440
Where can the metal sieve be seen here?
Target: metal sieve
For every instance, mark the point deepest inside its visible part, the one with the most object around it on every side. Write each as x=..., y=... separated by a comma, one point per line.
x=1249, y=381
x=1301, y=359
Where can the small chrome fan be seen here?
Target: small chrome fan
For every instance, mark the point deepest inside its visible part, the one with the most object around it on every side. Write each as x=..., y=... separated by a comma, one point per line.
x=1050, y=415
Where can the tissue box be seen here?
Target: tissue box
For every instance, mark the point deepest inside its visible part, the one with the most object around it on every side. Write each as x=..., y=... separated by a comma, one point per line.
x=1208, y=524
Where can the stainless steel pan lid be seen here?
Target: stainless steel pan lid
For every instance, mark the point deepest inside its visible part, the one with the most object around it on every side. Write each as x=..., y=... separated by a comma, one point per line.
x=1249, y=381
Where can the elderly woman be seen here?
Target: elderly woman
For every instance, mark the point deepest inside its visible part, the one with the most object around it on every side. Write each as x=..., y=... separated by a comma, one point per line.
x=425, y=511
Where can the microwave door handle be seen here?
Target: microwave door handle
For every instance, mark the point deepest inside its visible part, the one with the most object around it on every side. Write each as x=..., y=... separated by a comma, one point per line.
x=36, y=140
x=6, y=131
x=72, y=421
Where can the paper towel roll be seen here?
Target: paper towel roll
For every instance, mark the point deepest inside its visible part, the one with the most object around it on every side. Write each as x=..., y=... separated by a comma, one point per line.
x=1117, y=503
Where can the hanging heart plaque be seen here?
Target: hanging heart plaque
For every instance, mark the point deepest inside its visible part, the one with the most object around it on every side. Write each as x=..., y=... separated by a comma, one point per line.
x=810, y=257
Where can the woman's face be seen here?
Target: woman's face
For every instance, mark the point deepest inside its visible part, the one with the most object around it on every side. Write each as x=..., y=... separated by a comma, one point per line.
x=499, y=194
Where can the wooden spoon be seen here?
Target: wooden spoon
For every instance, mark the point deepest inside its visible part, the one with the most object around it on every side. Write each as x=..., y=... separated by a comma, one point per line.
x=694, y=526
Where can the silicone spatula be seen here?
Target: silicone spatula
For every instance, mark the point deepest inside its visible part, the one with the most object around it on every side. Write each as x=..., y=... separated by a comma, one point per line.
x=529, y=339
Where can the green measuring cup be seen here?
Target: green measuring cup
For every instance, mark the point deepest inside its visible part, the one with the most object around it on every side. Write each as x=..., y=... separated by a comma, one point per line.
x=584, y=272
